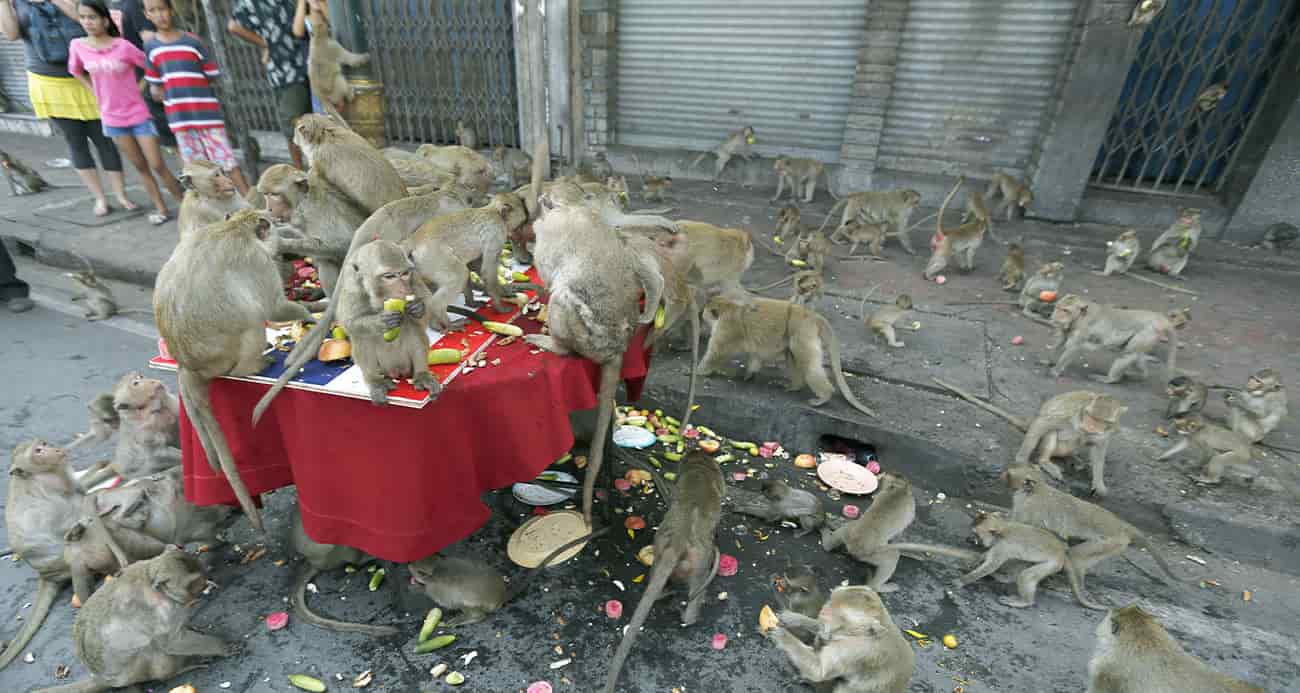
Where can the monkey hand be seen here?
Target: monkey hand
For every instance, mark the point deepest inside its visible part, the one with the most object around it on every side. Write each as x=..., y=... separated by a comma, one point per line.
x=415, y=308
x=391, y=319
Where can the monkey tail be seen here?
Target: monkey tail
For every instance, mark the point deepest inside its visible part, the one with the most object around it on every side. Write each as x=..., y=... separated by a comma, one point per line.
x=1016, y=421
x=938, y=220
x=541, y=153
x=1076, y=586
x=713, y=572
x=828, y=334
x=659, y=575
x=1173, y=354
x=831, y=213
x=964, y=555
x=46, y=591
x=306, y=348
x=522, y=585
x=303, y=612
x=198, y=404
x=695, y=359
x=82, y=686
x=609, y=372
x=698, y=159
x=829, y=189
x=1145, y=543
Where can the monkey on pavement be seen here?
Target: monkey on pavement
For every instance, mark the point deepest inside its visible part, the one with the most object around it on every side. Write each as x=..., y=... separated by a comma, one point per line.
x=737, y=144
x=1135, y=654
x=228, y=268
x=1172, y=248
x=881, y=322
x=1255, y=411
x=1186, y=396
x=892, y=207
x=594, y=285
x=98, y=546
x=150, y=439
x=1103, y=535
x=857, y=232
x=1121, y=253
x=1013, y=268
x=515, y=163
x=767, y=330
x=100, y=303
x=798, y=590
x=720, y=255
x=1084, y=326
x=1014, y=194
x=320, y=558
x=1048, y=278
x=1215, y=446
x=348, y=162
x=957, y=244
x=859, y=649
x=42, y=504
x=812, y=248
x=684, y=548
x=210, y=195
x=779, y=501
x=156, y=505
x=381, y=271
x=134, y=629
x=801, y=175
x=867, y=538
x=788, y=221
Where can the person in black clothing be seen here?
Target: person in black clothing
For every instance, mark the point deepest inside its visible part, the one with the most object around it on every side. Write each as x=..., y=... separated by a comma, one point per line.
x=13, y=291
x=137, y=29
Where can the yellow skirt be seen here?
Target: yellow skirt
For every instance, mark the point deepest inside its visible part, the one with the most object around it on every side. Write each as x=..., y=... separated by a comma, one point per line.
x=61, y=97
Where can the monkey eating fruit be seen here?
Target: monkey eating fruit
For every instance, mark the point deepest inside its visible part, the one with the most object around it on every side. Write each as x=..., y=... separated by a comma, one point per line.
x=779, y=501
x=1186, y=396
x=796, y=590
x=881, y=322
x=867, y=538
x=737, y=143
x=1258, y=409
x=1216, y=446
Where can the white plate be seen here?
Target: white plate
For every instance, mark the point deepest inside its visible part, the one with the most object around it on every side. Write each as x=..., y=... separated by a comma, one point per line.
x=847, y=477
x=533, y=494
x=633, y=437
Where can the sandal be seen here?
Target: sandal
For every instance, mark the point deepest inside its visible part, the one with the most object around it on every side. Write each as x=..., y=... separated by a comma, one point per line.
x=129, y=205
x=102, y=208
x=158, y=218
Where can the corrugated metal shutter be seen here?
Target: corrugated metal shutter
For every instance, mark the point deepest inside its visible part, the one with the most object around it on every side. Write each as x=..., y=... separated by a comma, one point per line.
x=13, y=74
x=975, y=82
x=690, y=71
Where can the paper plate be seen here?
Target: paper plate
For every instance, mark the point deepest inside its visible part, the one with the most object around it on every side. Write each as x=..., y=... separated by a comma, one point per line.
x=633, y=437
x=540, y=535
x=848, y=477
x=535, y=494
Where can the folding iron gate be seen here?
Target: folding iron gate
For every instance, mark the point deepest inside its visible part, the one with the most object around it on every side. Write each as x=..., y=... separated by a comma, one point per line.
x=1202, y=69
x=441, y=61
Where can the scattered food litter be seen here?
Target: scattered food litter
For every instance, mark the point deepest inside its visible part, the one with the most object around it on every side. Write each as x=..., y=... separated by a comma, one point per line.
x=277, y=620
x=719, y=641
x=614, y=609
x=728, y=565
x=950, y=641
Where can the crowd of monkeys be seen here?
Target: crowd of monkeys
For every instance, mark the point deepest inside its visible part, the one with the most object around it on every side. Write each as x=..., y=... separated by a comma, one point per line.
x=383, y=224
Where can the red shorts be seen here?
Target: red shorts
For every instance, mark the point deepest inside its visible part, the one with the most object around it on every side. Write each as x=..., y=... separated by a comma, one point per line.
x=206, y=143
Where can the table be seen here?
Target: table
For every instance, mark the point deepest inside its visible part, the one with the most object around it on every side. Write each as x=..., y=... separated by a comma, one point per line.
x=399, y=483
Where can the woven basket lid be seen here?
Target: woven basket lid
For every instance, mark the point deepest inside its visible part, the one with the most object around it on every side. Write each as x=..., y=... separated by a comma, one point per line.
x=542, y=534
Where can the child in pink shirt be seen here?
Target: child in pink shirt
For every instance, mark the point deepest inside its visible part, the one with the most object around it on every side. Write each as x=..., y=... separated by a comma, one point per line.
x=109, y=60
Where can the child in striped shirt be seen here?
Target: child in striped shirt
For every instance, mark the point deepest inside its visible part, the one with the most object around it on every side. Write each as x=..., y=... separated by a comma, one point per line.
x=179, y=72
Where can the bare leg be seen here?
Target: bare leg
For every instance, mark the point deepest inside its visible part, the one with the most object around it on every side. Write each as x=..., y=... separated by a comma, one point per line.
x=117, y=181
x=153, y=154
x=885, y=562
x=131, y=150
x=90, y=178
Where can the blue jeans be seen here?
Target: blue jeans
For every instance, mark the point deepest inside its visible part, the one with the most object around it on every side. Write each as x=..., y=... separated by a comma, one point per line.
x=145, y=129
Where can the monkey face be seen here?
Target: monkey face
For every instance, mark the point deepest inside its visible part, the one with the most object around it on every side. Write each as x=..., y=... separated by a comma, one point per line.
x=178, y=576
x=904, y=302
x=135, y=393
x=40, y=456
x=1101, y=415
x=1263, y=381
x=1022, y=477
x=911, y=198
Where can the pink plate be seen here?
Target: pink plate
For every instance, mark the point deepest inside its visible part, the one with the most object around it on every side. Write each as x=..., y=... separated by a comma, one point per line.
x=846, y=476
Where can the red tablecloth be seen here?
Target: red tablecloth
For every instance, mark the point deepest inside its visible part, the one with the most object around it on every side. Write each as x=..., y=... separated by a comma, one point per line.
x=401, y=484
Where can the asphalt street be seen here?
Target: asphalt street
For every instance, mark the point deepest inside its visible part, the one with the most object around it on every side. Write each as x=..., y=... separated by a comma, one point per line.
x=53, y=362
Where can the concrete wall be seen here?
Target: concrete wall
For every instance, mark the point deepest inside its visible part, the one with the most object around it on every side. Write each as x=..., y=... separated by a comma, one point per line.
x=872, y=86
x=598, y=37
x=1271, y=197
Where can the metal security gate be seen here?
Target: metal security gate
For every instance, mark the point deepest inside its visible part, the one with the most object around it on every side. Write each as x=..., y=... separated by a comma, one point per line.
x=1202, y=69
x=441, y=61
x=690, y=71
x=975, y=82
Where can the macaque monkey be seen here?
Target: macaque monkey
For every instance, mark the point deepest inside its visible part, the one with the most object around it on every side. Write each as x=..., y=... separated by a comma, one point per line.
x=134, y=628
x=515, y=163
x=653, y=188
x=150, y=439
x=807, y=287
x=1048, y=278
x=465, y=135
x=788, y=221
x=1121, y=253
x=42, y=503
x=1103, y=535
x=348, y=162
x=382, y=270
x=96, y=546
x=720, y=255
x=156, y=505
x=1086, y=326
x=801, y=175
x=737, y=143
x=595, y=285
x=779, y=501
x=1013, y=268
x=797, y=591
x=443, y=248
x=978, y=210
x=857, y=232
x=1216, y=446
x=1068, y=421
x=1171, y=250
x=470, y=587
x=97, y=296
x=1186, y=396
x=881, y=322
x=471, y=169
x=957, y=244
x=1209, y=98
x=767, y=330
x=104, y=422
x=1135, y=654
x=1280, y=236
x=398, y=220
x=1145, y=11
x=320, y=558
x=811, y=247
x=228, y=269
x=612, y=192
x=1014, y=194
x=210, y=195
x=1013, y=541
x=418, y=173
x=867, y=538
x=325, y=215
x=600, y=167
x=1255, y=411
x=858, y=648
x=684, y=549
x=892, y=207
x=325, y=60
x=22, y=179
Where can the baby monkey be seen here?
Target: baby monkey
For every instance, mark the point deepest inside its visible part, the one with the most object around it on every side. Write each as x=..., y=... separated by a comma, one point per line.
x=1255, y=411
x=797, y=590
x=1014, y=541
x=1216, y=446
x=881, y=323
x=801, y=175
x=98, y=297
x=779, y=501
x=1013, y=268
x=1186, y=396
x=1014, y=193
x=1121, y=253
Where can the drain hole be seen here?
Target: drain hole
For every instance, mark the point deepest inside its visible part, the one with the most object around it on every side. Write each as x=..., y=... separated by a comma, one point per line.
x=855, y=450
